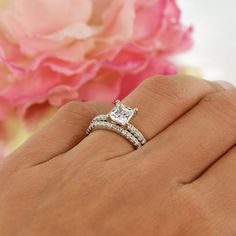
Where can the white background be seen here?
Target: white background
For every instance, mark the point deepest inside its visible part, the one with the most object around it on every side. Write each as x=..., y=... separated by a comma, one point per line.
x=214, y=52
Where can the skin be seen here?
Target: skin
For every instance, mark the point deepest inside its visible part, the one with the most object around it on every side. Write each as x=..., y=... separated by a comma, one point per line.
x=182, y=182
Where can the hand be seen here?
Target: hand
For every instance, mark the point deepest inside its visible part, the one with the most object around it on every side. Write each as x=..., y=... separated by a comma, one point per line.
x=182, y=182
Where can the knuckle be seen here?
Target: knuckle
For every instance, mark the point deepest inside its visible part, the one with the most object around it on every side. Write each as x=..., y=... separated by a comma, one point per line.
x=169, y=87
x=222, y=105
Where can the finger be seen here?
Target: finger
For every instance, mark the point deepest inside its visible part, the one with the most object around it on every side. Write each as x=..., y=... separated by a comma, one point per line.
x=219, y=183
x=199, y=138
x=160, y=102
x=65, y=130
x=222, y=171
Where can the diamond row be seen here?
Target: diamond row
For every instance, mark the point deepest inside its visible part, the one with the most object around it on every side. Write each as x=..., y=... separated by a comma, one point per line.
x=134, y=131
x=95, y=125
x=100, y=118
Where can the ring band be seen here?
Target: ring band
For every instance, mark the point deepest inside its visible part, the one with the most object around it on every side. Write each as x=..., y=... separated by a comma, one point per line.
x=98, y=125
x=118, y=121
x=134, y=131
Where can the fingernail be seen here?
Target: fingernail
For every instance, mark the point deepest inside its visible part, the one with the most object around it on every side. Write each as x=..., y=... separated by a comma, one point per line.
x=225, y=84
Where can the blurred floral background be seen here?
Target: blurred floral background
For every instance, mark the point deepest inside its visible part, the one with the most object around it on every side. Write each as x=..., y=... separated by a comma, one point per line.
x=53, y=52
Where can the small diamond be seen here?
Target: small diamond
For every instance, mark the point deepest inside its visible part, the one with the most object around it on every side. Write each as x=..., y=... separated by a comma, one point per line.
x=119, y=129
x=116, y=127
x=134, y=139
x=122, y=114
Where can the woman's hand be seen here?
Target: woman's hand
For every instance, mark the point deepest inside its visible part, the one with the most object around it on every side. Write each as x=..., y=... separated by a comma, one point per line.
x=182, y=182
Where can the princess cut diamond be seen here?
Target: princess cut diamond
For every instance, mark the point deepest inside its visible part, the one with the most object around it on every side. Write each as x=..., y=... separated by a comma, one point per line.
x=122, y=114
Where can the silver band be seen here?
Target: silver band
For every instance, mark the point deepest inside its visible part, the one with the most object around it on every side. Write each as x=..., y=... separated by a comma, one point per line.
x=134, y=131
x=97, y=125
x=118, y=121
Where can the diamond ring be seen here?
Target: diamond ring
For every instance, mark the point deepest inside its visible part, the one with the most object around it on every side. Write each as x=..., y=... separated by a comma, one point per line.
x=118, y=121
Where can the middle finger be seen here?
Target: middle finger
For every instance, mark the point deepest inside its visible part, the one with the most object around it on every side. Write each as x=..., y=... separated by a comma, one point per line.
x=199, y=138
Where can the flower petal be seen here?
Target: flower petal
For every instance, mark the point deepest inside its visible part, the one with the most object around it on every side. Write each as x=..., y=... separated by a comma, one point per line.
x=23, y=18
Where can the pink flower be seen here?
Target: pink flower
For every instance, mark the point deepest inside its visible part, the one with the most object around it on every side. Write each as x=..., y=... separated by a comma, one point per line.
x=56, y=51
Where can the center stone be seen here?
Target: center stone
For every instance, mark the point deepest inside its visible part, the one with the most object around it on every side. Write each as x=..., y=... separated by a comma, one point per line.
x=122, y=114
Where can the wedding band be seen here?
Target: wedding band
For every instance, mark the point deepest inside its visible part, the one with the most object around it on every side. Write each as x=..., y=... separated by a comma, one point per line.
x=118, y=121
x=130, y=128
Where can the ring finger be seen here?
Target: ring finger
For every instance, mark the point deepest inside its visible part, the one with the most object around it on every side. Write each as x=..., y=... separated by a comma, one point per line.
x=160, y=102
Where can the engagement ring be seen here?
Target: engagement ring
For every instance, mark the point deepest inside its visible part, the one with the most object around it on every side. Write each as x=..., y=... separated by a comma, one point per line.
x=118, y=121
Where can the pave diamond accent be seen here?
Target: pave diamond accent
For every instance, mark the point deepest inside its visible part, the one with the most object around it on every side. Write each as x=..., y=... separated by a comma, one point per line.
x=95, y=125
x=134, y=131
x=122, y=114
